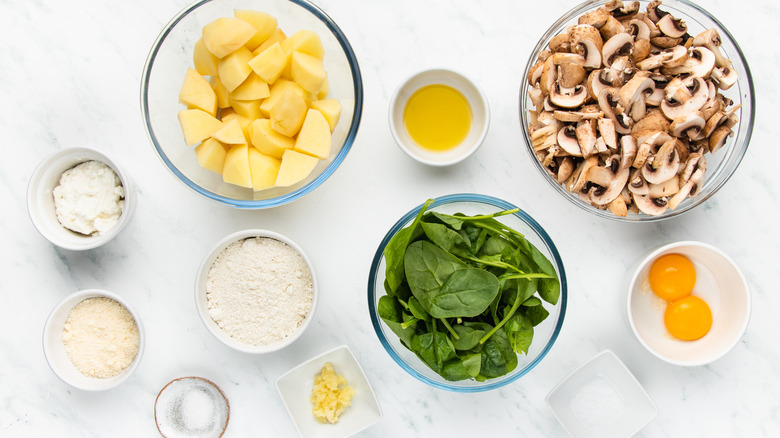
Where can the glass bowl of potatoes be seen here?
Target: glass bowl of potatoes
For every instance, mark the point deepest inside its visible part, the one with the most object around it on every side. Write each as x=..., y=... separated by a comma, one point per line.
x=252, y=104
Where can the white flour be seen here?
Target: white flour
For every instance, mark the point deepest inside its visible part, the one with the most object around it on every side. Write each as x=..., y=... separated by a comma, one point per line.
x=259, y=290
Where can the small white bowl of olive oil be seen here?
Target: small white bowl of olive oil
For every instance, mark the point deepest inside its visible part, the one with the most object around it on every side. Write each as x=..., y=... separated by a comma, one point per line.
x=439, y=117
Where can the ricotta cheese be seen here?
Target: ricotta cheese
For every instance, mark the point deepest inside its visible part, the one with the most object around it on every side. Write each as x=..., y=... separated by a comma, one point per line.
x=89, y=198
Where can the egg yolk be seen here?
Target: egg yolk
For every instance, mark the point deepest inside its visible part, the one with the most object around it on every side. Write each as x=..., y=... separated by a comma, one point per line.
x=688, y=318
x=672, y=277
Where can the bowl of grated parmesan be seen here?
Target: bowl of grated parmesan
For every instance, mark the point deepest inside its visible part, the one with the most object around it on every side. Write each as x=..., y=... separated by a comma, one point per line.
x=93, y=340
x=256, y=291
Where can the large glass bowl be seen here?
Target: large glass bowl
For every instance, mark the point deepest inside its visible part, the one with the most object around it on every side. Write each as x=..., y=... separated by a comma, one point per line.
x=545, y=333
x=167, y=63
x=721, y=165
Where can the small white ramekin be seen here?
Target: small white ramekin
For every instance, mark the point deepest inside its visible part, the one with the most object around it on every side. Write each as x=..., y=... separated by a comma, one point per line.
x=40, y=199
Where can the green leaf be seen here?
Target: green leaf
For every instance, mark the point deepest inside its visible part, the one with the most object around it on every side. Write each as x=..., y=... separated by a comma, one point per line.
x=498, y=356
x=519, y=332
x=446, y=238
x=462, y=368
x=469, y=337
x=466, y=293
x=396, y=248
x=390, y=311
x=417, y=310
x=531, y=302
x=427, y=268
x=536, y=314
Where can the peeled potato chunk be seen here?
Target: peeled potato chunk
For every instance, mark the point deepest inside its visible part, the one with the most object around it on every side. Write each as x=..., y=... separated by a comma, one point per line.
x=287, y=115
x=314, y=138
x=269, y=63
x=196, y=92
x=264, y=169
x=230, y=133
x=225, y=35
x=205, y=62
x=253, y=88
x=236, y=168
x=197, y=125
x=306, y=41
x=331, y=109
x=229, y=114
x=211, y=155
x=234, y=68
x=277, y=92
x=263, y=23
x=276, y=37
x=307, y=71
x=295, y=168
x=223, y=96
x=267, y=140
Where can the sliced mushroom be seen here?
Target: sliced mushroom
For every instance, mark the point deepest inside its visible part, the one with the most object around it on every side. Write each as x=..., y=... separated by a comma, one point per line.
x=567, y=139
x=607, y=130
x=626, y=11
x=585, y=40
x=665, y=42
x=595, y=18
x=691, y=164
x=724, y=77
x=651, y=206
x=713, y=122
x=638, y=29
x=719, y=137
x=654, y=120
x=637, y=184
x=677, y=56
x=535, y=73
x=663, y=166
x=672, y=27
x=664, y=189
x=633, y=95
x=559, y=43
x=568, y=97
x=618, y=207
x=611, y=28
x=649, y=146
x=577, y=180
x=570, y=75
x=586, y=136
x=609, y=190
x=653, y=13
x=609, y=103
x=690, y=125
x=711, y=40
x=565, y=169
x=596, y=83
x=619, y=45
x=641, y=50
x=700, y=63
x=684, y=96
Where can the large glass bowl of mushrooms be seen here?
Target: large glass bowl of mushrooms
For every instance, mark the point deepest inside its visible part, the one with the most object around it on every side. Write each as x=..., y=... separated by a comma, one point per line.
x=637, y=111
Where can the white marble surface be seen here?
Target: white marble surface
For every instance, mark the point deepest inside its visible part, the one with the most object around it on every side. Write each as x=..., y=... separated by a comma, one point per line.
x=70, y=77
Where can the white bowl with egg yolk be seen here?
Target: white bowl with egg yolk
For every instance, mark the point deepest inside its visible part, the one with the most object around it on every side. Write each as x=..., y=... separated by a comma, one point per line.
x=719, y=282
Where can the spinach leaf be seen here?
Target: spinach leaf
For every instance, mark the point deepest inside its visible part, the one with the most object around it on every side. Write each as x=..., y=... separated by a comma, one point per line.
x=549, y=289
x=434, y=348
x=467, y=292
x=498, y=357
x=462, y=368
x=536, y=314
x=519, y=332
x=427, y=268
x=390, y=312
x=531, y=302
x=451, y=221
x=396, y=248
x=417, y=310
x=447, y=239
x=468, y=336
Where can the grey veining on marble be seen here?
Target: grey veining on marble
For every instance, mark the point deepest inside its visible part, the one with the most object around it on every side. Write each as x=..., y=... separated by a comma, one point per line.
x=71, y=76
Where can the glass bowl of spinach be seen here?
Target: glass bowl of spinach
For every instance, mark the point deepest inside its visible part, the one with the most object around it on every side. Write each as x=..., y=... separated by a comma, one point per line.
x=467, y=293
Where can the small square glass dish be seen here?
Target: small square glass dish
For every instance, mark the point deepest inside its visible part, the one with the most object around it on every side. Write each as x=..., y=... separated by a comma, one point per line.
x=295, y=387
x=601, y=399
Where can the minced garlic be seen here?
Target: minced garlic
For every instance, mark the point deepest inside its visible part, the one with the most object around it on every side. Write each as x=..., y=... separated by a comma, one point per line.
x=331, y=394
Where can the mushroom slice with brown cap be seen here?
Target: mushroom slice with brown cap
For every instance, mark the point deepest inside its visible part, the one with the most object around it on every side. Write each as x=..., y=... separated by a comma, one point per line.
x=611, y=28
x=636, y=90
x=618, y=207
x=607, y=130
x=699, y=64
x=577, y=180
x=711, y=40
x=609, y=102
x=657, y=96
x=559, y=43
x=565, y=169
x=663, y=166
x=619, y=45
x=638, y=29
x=651, y=206
x=595, y=84
x=665, y=42
x=568, y=97
x=724, y=77
x=694, y=161
x=586, y=136
x=672, y=27
x=585, y=40
x=664, y=189
x=677, y=56
x=626, y=11
x=535, y=73
x=641, y=50
x=654, y=120
x=690, y=125
x=648, y=146
x=595, y=18
x=719, y=137
x=690, y=185
x=637, y=183
x=712, y=123
x=653, y=13
x=616, y=172
x=567, y=140
x=684, y=96
x=570, y=75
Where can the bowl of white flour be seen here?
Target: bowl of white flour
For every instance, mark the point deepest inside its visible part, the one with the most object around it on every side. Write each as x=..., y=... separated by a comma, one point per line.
x=256, y=291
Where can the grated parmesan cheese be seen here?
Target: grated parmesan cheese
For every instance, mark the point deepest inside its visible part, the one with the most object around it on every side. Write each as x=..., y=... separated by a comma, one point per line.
x=101, y=337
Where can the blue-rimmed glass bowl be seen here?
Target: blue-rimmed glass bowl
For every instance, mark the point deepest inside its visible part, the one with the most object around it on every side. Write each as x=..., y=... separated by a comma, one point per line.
x=545, y=333
x=167, y=63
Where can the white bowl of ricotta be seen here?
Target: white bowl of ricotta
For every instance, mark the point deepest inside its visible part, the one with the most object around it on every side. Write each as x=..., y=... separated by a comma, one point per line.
x=79, y=198
x=256, y=291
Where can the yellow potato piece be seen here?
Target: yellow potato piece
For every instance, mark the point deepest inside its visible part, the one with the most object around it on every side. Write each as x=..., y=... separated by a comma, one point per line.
x=314, y=138
x=295, y=168
x=288, y=113
x=277, y=92
x=233, y=69
x=247, y=108
x=197, y=125
x=253, y=88
x=307, y=71
x=269, y=63
x=277, y=37
x=223, y=96
x=226, y=116
x=267, y=140
x=306, y=41
x=324, y=89
x=264, y=169
x=211, y=155
x=225, y=35
x=331, y=109
x=236, y=168
x=196, y=92
x=263, y=23
x=205, y=62
x=230, y=133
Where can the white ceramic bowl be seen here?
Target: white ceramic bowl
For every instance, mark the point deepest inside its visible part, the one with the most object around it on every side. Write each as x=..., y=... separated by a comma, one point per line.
x=295, y=388
x=40, y=198
x=479, y=110
x=57, y=356
x=202, y=302
x=719, y=282
x=601, y=399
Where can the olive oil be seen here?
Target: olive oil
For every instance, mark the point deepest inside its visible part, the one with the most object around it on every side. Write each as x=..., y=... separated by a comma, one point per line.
x=437, y=117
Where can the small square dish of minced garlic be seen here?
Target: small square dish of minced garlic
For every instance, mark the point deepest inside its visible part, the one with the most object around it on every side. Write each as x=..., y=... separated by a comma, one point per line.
x=331, y=395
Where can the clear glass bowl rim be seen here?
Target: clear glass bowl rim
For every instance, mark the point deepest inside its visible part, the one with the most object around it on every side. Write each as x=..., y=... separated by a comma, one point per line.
x=287, y=197
x=494, y=202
